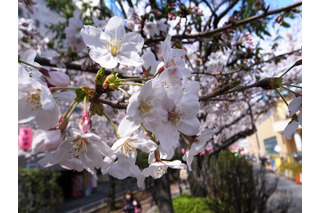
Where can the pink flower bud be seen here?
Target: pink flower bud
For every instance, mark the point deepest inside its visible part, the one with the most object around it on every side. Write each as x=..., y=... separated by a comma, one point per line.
x=202, y=153
x=25, y=138
x=85, y=121
x=58, y=79
x=183, y=151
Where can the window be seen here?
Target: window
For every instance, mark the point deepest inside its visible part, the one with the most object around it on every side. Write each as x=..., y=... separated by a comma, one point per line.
x=269, y=144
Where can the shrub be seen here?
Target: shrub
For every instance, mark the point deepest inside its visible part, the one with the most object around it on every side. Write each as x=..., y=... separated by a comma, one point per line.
x=38, y=190
x=188, y=204
x=232, y=181
x=294, y=167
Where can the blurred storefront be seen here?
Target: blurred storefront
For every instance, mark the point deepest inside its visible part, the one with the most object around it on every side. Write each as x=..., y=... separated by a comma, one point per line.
x=268, y=141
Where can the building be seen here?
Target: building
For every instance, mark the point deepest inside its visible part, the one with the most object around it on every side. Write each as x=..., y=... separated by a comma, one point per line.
x=268, y=141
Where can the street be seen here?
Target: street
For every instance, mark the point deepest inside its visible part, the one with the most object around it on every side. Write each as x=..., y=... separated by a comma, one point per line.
x=286, y=190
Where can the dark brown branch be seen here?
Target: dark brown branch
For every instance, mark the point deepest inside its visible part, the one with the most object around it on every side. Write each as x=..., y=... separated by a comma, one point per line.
x=226, y=89
x=217, y=19
x=227, y=27
x=114, y=104
x=233, y=139
x=278, y=57
x=231, y=123
x=219, y=5
x=72, y=66
x=123, y=10
x=46, y=62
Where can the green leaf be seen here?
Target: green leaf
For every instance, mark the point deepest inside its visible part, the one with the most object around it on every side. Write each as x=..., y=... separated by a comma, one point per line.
x=80, y=95
x=285, y=24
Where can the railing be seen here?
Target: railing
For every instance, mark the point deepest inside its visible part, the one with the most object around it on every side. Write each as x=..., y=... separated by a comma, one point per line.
x=91, y=207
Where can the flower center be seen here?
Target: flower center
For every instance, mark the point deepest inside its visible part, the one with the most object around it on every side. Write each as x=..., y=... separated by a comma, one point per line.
x=175, y=117
x=161, y=170
x=145, y=107
x=127, y=148
x=115, y=46
x=81, y=144
x=29, y=70
x=33, y=98
x=171, y=63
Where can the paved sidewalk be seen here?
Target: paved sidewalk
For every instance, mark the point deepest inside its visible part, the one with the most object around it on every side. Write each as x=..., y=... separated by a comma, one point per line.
x=146, y=203
x=174, y=188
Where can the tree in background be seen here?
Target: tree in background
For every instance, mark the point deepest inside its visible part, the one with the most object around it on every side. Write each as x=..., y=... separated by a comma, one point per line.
x=107, y=80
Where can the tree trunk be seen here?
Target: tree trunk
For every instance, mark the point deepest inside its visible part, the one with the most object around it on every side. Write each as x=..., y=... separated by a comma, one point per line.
x=111, y=194
x=163, y=194
x=196, y=177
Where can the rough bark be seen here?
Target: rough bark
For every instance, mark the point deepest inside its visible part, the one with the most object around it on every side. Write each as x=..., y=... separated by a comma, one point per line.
x=164, y=199
x=111, y=194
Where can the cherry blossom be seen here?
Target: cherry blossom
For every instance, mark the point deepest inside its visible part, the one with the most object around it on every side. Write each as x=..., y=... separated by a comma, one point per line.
x=41, y=74
x=157, y=87
x=112, y=45
x=100, y=23
x=150, y=64
x=35, y=101
x=173, y=57
x=157, y=169
x=88, y=150
x=178, y=114
x=46, y=141
x=294, y=106
x=73, y=37
x=144, y=107
x=126, y=147
x=151, y=29
x=28, y=56
x=197, y=146
x=155, y=28
x=124, y=169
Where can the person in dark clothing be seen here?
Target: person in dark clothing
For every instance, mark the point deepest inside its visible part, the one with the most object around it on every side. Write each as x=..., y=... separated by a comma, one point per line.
x=131, y=205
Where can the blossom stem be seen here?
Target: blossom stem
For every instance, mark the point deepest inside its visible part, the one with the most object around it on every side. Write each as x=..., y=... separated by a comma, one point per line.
x=148, y=132
x=287, y=70
x=74, y=105
x=38, y=68
x=128, y=83
x=292, y=85
x=125, y=92
x=187, y=137
x=68, y=110
x=85, y=103
x=288, y=89
x=65, y=88
x=281, y=97
x=112, y=71
x=111, y=122
x=133, y=79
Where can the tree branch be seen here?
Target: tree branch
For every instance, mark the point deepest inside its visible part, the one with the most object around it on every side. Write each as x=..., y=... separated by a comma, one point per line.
x=233, y=139
x=114, y=104
x=217, y=19
x=227, y=27
x=72, y=66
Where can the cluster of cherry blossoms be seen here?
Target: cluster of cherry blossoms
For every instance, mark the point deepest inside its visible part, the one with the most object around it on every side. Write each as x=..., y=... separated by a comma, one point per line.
x=162, y=109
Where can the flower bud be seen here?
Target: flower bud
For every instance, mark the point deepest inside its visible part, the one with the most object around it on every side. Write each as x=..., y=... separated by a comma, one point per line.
x=85, y=122
x=112, y=82
x=58, y=79
x=25, y=138
x=183, y=151
x=100, y=77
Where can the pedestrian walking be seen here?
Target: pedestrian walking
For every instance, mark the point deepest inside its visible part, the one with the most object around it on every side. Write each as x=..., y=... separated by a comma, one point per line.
x=131, y=205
